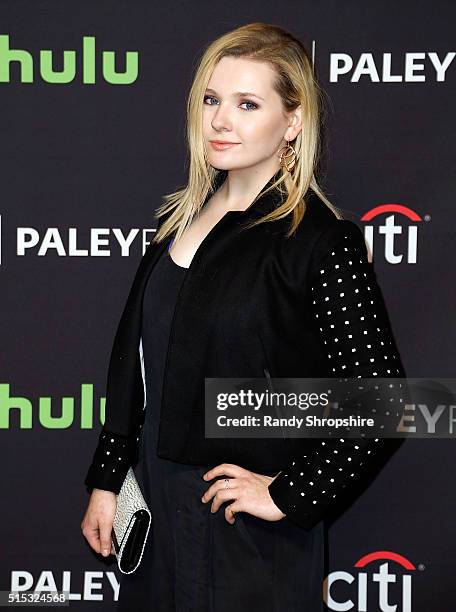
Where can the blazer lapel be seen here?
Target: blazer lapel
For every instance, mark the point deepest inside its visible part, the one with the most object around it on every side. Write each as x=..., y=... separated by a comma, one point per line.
x=125, y=381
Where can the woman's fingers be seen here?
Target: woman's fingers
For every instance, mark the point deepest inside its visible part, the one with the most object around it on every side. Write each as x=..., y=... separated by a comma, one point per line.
x=98, y=520
x=105, y=538
x=222, y=495
x=225, y=469
x=92, y=535
x=218, y=485
x=248, y=493
x=231, y=511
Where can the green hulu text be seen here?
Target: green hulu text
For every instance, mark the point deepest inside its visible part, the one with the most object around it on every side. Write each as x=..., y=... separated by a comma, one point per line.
x=44, y=64
x=51, y=413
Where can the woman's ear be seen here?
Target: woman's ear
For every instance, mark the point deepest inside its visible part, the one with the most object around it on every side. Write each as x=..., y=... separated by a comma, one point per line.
x=295, y=124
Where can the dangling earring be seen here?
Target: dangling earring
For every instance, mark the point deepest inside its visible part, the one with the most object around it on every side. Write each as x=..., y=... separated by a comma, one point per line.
x=287, y=156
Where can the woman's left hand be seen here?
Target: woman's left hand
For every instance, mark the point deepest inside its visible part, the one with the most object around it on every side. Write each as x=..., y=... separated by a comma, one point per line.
x=249, y=492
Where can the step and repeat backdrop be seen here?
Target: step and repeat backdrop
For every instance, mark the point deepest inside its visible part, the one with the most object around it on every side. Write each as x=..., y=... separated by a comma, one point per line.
x=92, y=132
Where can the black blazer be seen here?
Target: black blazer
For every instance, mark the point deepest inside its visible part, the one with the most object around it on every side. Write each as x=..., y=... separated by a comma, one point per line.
x=254, y=303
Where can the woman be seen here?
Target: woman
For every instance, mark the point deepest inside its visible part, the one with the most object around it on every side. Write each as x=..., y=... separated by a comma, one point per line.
x=243, y=279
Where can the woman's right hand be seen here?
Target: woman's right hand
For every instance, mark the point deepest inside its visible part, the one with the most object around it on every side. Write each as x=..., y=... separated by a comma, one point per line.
x=98, y=519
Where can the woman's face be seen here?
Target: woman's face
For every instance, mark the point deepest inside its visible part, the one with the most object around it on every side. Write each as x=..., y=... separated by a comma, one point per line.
x=256, y=121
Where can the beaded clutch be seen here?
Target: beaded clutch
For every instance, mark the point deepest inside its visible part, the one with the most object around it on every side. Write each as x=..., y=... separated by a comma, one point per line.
x=131, y=525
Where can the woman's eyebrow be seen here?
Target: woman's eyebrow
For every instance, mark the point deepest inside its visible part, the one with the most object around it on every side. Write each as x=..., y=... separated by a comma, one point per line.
x=238, y=93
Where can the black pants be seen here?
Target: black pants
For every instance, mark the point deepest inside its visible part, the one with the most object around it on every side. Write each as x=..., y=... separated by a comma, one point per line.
x=195, y=561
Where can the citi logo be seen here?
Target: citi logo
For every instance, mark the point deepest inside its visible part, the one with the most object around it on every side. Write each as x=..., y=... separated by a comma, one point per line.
x=44, y=64
x=391, y=228
x=364, y=581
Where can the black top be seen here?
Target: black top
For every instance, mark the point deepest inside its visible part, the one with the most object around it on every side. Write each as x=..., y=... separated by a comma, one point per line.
x=160, y=298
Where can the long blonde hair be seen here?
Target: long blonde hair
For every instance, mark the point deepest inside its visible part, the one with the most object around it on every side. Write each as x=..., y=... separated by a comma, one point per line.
x=296, y=84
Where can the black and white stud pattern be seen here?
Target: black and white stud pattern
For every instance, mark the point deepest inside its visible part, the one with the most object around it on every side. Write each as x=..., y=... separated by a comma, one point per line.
x=115, y=454
x=354, y=327
x=113, y=457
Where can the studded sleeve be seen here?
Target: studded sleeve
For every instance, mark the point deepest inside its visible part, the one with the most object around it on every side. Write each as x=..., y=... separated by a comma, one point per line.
x=352, y=321
x=113, y=456
x=115, y=453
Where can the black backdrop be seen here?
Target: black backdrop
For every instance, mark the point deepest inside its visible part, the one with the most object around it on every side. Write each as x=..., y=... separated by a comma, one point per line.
x=85, y=162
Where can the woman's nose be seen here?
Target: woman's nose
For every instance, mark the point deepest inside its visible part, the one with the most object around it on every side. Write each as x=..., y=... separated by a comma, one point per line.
x=222, y=118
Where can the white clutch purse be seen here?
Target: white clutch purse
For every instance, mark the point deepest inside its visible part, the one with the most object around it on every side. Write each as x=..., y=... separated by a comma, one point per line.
x=131, y=525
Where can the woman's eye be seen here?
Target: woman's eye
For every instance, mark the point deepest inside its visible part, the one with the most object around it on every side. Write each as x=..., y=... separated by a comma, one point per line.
x=251, y=103
x=210, y=98
x=253, y=106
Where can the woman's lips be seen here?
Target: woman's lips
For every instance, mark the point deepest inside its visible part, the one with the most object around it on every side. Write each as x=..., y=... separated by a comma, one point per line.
x=219, y=146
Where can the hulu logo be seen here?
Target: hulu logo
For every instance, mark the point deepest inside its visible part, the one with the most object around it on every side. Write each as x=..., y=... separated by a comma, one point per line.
x=68, y=72
x=65, y=416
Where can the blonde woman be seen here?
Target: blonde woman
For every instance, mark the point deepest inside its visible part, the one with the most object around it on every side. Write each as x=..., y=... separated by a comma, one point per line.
x=252, y=272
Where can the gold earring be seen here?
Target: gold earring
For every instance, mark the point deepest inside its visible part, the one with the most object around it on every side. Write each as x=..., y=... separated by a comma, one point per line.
x=287, y=156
